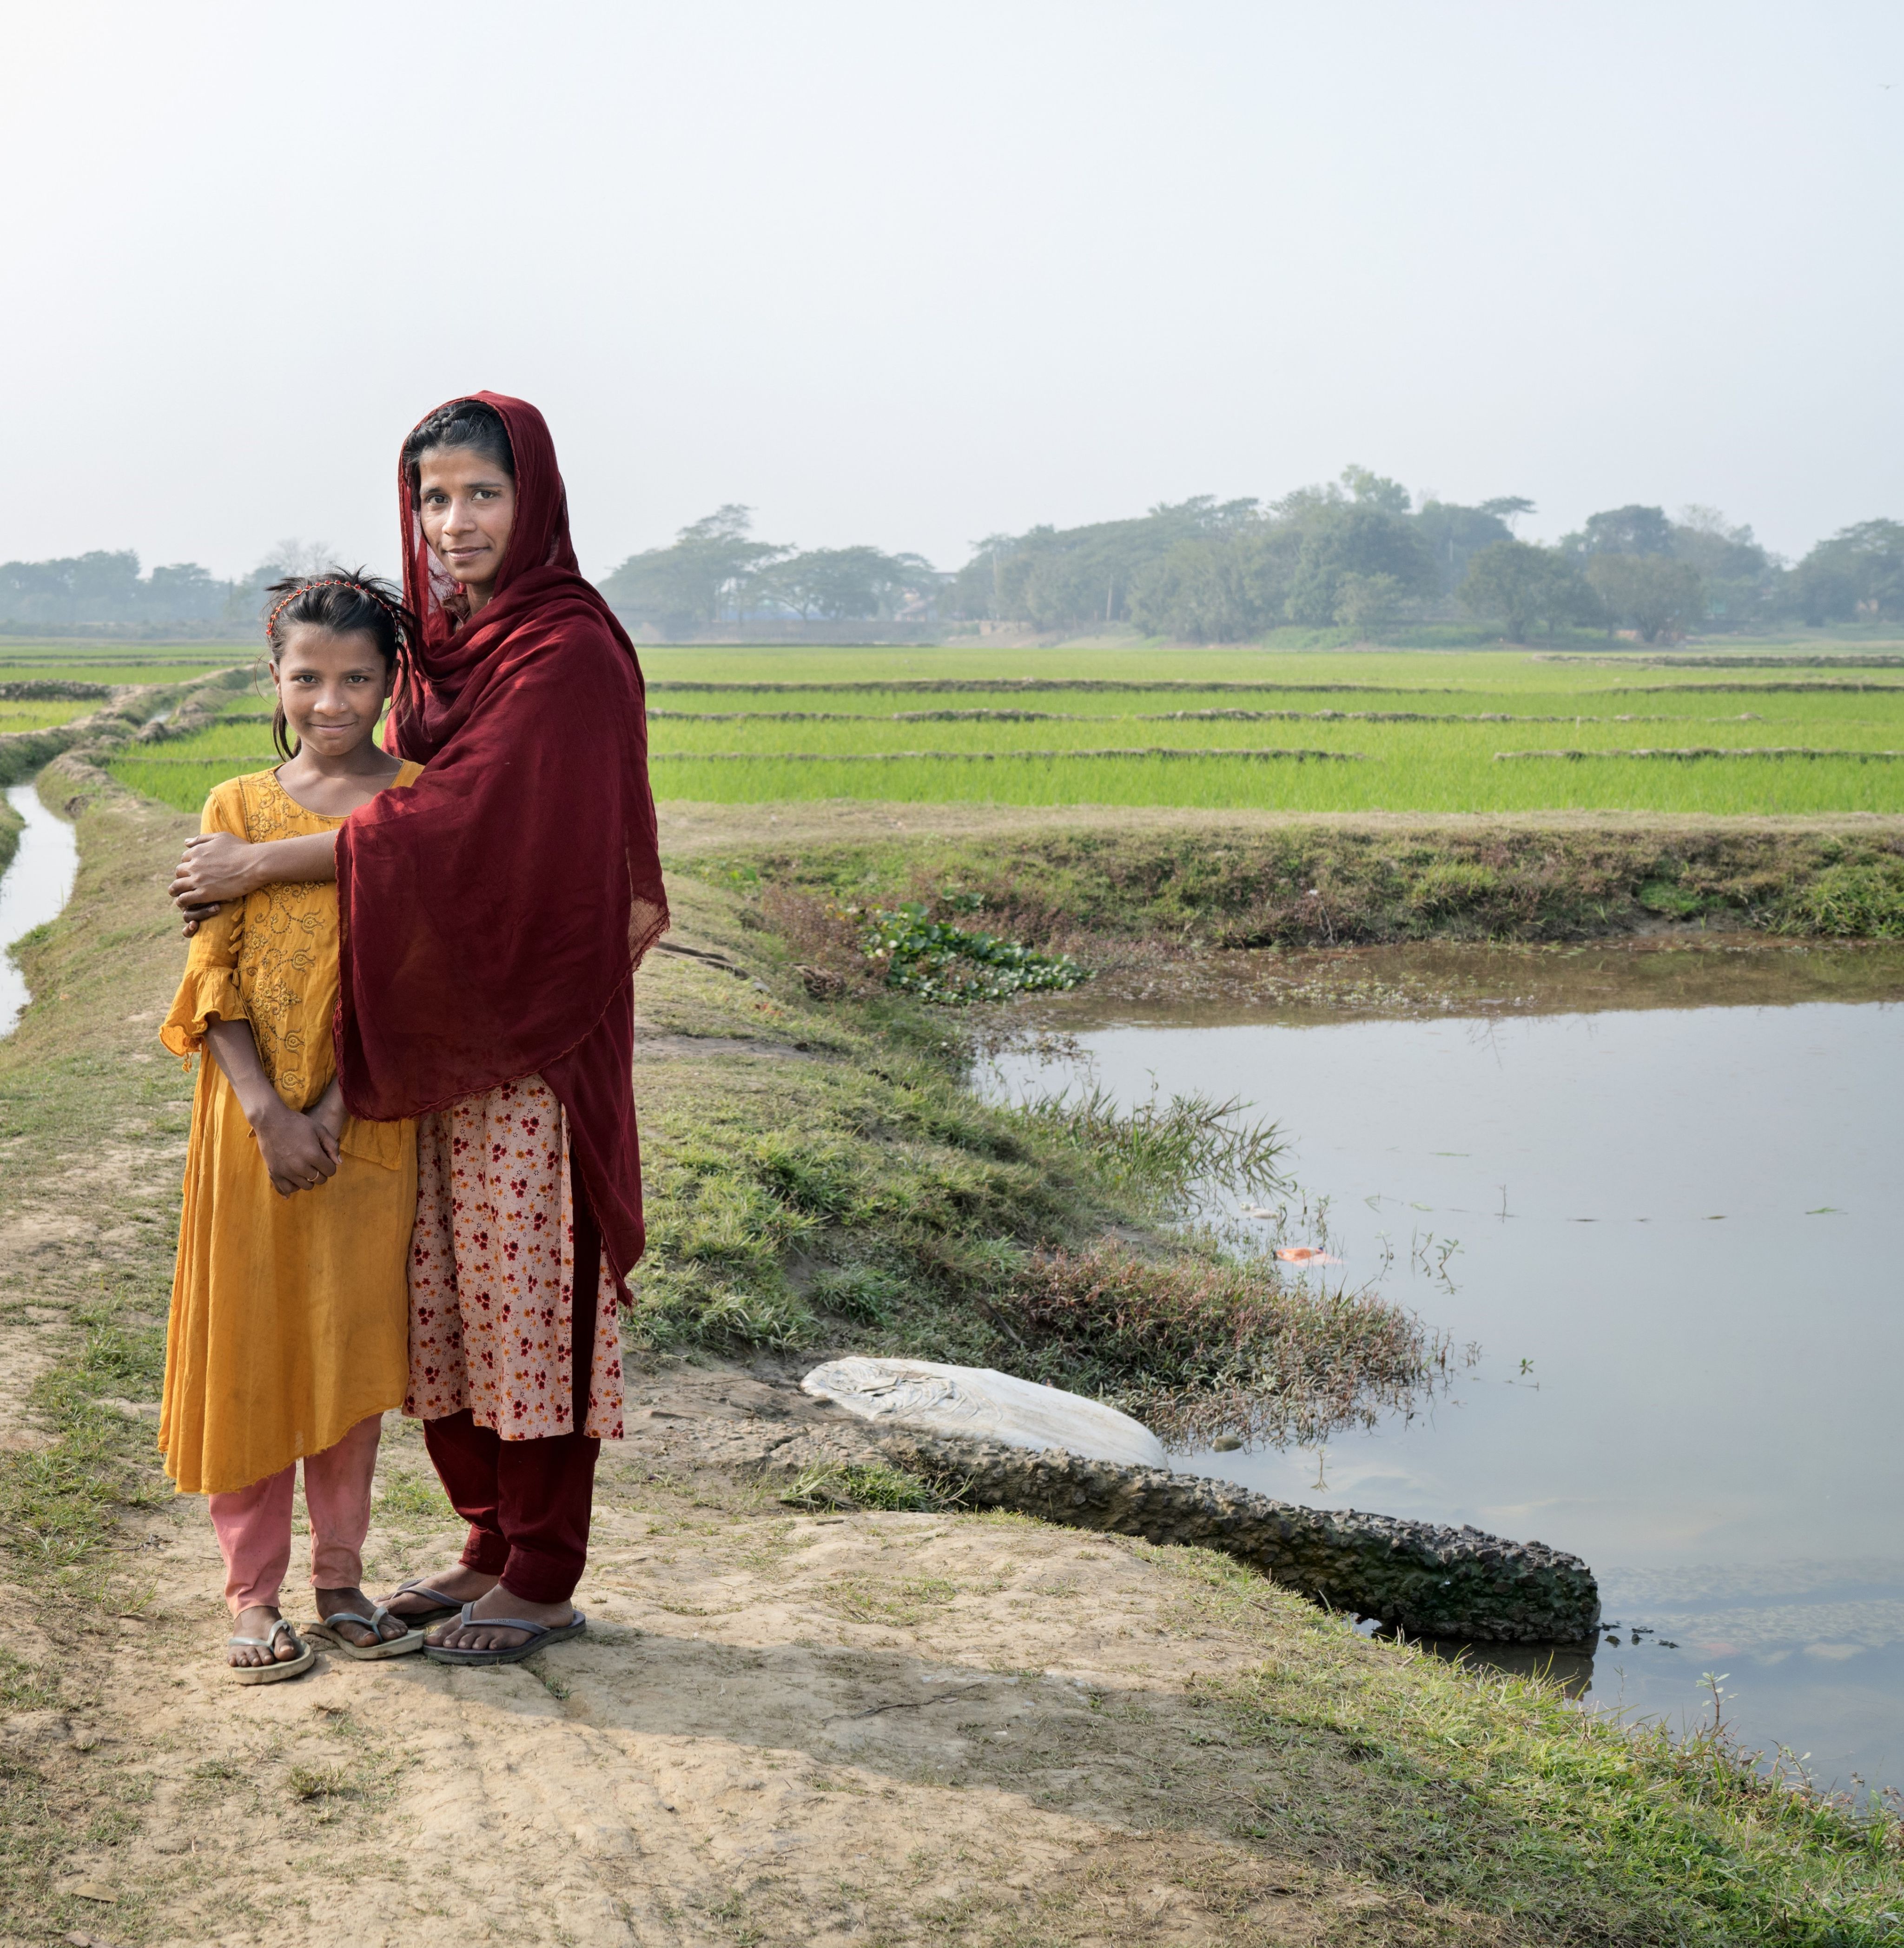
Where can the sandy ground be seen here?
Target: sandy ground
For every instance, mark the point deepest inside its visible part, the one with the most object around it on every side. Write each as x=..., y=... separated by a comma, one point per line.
x=780, y=1728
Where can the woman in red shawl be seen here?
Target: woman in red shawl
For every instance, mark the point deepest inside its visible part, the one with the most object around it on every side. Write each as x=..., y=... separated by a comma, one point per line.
x=492, y=917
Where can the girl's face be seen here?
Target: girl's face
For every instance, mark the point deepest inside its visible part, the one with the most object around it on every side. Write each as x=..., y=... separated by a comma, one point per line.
x=332, y=685
x=468, y=506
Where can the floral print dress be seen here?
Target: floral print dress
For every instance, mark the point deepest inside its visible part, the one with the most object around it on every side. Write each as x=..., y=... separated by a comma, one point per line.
x=492, y=1272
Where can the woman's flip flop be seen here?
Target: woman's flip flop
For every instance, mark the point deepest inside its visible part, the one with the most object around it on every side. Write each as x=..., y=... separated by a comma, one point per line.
x=540, y=1636
x=445, y=1606
x=274, y=1672
x=333, y=1639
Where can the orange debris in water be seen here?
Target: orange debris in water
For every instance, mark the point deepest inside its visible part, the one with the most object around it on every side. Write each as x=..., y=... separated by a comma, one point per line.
x=1304, y=1254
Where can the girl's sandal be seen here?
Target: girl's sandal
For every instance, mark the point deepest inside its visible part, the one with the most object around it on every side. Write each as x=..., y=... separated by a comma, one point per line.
x=274, y=1672
x=332, y=1637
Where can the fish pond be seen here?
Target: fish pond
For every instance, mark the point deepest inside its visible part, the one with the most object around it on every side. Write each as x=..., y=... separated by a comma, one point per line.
x=1656, y=1188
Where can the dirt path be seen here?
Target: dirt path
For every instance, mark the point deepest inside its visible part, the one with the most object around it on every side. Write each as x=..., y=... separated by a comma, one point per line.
x=780, y=1728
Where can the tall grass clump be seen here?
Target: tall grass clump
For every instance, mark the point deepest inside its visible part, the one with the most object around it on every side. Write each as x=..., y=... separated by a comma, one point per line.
x=1172, y=1153
x=1855, y=899
x=1196, y=1348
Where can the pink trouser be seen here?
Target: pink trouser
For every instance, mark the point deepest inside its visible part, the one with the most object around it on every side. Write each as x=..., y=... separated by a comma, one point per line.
x=254, y=1523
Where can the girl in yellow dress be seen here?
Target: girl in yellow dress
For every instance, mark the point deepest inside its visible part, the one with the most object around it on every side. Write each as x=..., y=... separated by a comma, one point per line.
x=289, y=1335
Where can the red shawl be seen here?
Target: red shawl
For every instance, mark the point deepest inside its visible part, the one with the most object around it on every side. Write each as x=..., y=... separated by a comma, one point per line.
x=494, y=914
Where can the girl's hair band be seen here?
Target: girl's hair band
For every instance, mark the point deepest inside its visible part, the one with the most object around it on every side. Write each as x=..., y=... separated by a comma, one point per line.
x=335, y=581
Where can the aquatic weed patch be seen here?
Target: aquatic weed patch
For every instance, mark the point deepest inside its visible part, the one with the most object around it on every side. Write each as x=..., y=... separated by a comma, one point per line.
x=939, y=960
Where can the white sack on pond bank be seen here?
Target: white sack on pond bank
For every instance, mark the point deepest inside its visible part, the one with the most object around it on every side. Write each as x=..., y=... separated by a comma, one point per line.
x=984, y=1406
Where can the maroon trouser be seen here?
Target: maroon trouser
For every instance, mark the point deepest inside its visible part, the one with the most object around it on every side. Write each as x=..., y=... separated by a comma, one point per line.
x=528, y=1502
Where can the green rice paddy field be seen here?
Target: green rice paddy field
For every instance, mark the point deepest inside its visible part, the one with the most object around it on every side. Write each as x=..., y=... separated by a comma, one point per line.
x=1316, y=730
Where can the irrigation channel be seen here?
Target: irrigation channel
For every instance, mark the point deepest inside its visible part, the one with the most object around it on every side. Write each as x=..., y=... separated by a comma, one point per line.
x=35, y=887
x=1670, y=1180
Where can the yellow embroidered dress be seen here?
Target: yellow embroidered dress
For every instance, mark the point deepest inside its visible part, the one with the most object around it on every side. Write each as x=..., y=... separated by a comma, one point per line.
x=289, y=1316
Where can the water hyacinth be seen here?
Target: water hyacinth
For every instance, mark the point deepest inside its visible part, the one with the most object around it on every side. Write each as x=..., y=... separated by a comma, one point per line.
x=940, y=961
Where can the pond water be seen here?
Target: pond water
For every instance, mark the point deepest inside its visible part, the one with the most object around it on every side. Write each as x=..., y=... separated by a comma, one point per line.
x=1671, y=1181
x=34, y=890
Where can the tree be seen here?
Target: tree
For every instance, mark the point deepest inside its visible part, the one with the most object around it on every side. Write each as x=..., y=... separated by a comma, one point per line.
x=849, y=583
x=1354, y=539
x=183, y=592
x=1455, y=535
x=1859, y=571
x=695, y=581
x=105, y=587
x=1073, y=578
x=1629, y=530
x=1375, y=490
x=244, y=599
x=1741, y=579
x=1648, y=593
x=1364, y=602
x=1216, y=588
x=1520, y=585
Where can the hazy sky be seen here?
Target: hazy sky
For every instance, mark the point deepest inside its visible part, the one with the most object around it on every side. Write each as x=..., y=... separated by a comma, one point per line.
x=908, y=272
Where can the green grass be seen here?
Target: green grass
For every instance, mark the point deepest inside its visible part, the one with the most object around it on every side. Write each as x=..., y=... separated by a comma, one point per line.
x=1296, y=731
x=874, y=1485
x=38, y=716
x=1494, y=1795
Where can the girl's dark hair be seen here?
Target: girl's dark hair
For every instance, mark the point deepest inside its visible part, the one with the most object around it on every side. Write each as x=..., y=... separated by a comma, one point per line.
x=347, y=601
x=463, y=422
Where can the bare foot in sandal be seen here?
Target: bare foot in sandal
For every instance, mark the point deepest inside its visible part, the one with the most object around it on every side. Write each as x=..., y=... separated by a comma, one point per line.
x=275, y=1646
x=476, y=1634
x=457, y=1586
x=337, y=1606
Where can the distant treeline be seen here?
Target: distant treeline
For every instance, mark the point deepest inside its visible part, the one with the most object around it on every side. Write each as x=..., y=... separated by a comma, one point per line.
x=1356, y=553
x=105, y=589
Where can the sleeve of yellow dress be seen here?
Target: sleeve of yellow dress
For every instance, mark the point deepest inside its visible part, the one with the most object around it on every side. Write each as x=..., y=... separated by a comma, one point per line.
x=210, y=986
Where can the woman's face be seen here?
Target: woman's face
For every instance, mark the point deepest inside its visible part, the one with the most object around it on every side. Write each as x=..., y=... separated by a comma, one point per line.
x=468, y=506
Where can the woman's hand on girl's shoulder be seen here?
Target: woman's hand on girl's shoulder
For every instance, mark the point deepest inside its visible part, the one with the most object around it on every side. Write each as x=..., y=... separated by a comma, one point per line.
x=216, y=866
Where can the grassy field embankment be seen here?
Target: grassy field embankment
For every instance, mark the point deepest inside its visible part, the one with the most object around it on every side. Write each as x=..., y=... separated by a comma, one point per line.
x=1134, y=1745
x=1101, y=883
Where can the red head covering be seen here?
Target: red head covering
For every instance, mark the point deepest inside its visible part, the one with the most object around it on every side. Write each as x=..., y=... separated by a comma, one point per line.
x=493, y=915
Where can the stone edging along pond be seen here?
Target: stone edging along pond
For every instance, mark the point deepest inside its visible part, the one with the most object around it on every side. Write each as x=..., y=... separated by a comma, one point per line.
x=1418, y=1578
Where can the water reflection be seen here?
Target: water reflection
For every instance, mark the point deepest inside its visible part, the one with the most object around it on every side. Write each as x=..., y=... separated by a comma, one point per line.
x=1659, y=1190
x=34, y=890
